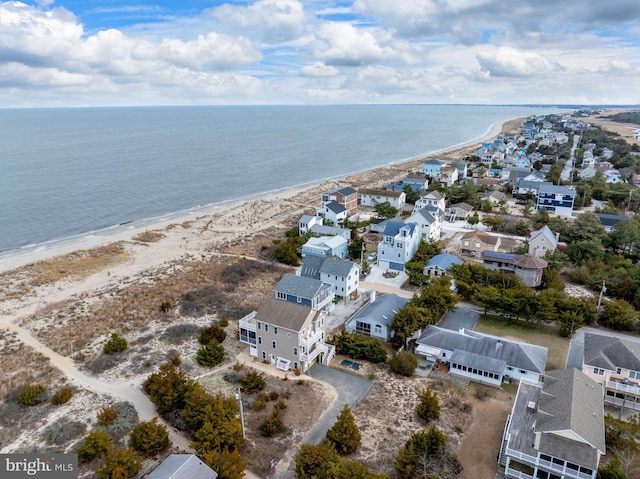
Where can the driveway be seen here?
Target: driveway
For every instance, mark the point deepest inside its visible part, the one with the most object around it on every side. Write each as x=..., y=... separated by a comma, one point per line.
x=460, y=318
x=351, y=389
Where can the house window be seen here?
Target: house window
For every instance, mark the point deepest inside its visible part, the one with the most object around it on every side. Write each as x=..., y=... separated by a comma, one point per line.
x=275, y=330
x=259, y=339
x=273, y=344
x=266, y=328
x=281, y=295
x=378, y=329
x=618, y=370
x=264, y=355
x=522, y=371
x=295, y=351
x=259, y=325
x=598, y=371
x=634, y=374
x=299, y=299
x=466, y=243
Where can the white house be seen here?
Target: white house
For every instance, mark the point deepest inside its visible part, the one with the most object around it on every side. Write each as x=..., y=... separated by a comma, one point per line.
x=448, y=176
x=429, y=220
x=371, y=197
x=431, y=198
x=306, y=222
x=333, y=212
x=400, y=242
x=343, y=276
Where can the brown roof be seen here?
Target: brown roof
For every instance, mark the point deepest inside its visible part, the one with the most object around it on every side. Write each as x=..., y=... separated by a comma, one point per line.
x=487, y=181
x=529, y=261
x=482, y=237
x=434, y=193
x=365, y=191
x=463, y=206
x=284, y=314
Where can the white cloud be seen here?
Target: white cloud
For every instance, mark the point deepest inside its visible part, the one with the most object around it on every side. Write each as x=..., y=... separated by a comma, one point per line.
x=319, y=70
x=509, y=62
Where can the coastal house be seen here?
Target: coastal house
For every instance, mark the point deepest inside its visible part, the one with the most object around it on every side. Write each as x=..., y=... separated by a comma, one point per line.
x=343, y=276
x=399, y=244
x=555, y=429
x=494, y=197
x=371, y=197
x=526, y=266
x=374, y=319
x=481, y=357
x=492, y=183
x=324, y=230
x=306, y=291
x=430, y=198
x=179, y=466
x=429, y=220
x=431, y=168
x=448, y=176
x=417, y=182
x=306, y=222
x=459, y=212
x=463, y=170
x=439, y=265
x=614, y=362
x=556, y=199
x=288, y=335
x=333, y=213
x=524, y=187
x=542, y=241
x=475, y=242
x=326, y=246
x=609, y=221
x=346, y=196
x=587, y=173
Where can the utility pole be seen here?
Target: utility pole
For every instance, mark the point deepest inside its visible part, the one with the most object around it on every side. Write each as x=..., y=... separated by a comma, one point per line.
x=629, y=203
x=239, y=399
x=602, y=291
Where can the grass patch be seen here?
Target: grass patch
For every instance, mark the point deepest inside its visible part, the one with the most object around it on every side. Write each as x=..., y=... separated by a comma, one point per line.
x=542, y=335
x=149, y=236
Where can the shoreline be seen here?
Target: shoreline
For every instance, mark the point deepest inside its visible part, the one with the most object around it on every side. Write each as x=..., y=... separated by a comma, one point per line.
x=23, y=256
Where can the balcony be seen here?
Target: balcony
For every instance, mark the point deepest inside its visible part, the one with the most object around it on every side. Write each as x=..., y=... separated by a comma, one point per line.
x=248, y=322
x=626, y=387
x=625, y=403
x=567, y=472
x=309, y=340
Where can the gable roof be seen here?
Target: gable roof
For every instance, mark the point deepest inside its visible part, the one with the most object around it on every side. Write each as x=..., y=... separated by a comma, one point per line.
x=344, y=191
x=463, y=206
x=434, y=162
x=393, y=228
x=301, y=286
x=435, y=194
x=179, y=466
x=547, y=233
x=336, y=207
x=554, y=189
x=611, y=220
x=443, y=261
x=529, y=261
x=382, y=310
x=426, y=214
x=337, y=267
x=373, y=191
x=284, y=314
x=311, y=266
x=571, y=401
x=608, y=352
x=329, y=230
x=482, y=237
x=519, y=355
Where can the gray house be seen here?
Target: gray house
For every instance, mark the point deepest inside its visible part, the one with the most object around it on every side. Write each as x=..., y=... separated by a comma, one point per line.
x=343, y=276
x=180, y=466
x=374, y=319
x=305, y=291
x=482, y=357
x=555, y=430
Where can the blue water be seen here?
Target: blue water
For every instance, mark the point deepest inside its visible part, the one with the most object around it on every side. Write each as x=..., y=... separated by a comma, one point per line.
x=66, y=172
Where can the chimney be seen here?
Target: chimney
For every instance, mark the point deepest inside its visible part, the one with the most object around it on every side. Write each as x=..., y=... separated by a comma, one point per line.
x=461, y=330
x=557, y=237
x=373, y=296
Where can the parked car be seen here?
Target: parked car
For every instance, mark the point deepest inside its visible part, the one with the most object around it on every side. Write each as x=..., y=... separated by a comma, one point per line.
x=372, y=256
x=362, y=230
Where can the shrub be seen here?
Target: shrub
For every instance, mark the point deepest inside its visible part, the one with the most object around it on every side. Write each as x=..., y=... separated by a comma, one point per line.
x=232, y=377
x=62, y=431
x=297, y=371
x=175, y=359
x=115, y=344
x=272, y=425
x=211, y=354
x=119, y=463
x=62, y=396
x=102, y=363
x=180, y=333
x=228, y=464
x=273, y=395
x=125, y=421
x=404, y=363
x=344, y=434
x=428, y=407
x=260, y=405
x=31, y=395
x=224, y=322
x=481, y=393
x=281, y=405
x=253, y=382
x=165, y=306
x=95, y=444
x=106, y=416
x=149, y=438
x=210, y=333
x=358, y=346
x=167, y=388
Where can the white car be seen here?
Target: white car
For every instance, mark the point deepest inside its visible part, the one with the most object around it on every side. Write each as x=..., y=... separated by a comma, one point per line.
x=372, y=256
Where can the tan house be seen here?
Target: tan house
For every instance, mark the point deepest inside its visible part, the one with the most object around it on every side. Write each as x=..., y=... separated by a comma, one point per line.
x=542, y=241
x=527, y=266
x=614, y=362
x=459, y=211
x=475, y=242
x=448, y=176
x=288, y=335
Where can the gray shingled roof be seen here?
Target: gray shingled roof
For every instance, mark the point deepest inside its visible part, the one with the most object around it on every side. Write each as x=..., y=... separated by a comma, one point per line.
x=336, y=267
x=519, y=355
x=382, y=310
x=610, y=353
x=180, y=466
x=311, y=266
x=329, y=230
x=473, y=360
x=335, y=207
x=301, y=286
x=284, y=314
x=570, y=400
x=557, y=190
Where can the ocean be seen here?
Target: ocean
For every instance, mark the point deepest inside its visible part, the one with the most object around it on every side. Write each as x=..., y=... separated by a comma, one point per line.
x=69, y=172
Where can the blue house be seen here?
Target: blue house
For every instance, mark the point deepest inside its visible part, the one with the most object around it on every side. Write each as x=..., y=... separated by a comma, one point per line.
x=375, y=318
x=556, y=199
x=305, y=291
x=432, y=167
x=326, y=246
x=399, y=244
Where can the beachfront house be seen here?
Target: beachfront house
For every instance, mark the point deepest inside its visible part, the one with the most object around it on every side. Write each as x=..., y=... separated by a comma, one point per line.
x=614, y=362
x=374, y=319
x=343, y=276
x=326, y=246
x=288, y=335
x=333, y=213
x=463, y=170
x=448, y=176
x=481, y=357
x=542, y=241
x=415, y=181
x=399, y=244
x=346, y=196
x=371, y=197
x=324, y=230
x=305, y=291
x=555, y=429
x=440, y=264
x=431, y=198
x=306, y=222
x=556, y=199
x=527, y=267
x=431, y=168
x=429, y=220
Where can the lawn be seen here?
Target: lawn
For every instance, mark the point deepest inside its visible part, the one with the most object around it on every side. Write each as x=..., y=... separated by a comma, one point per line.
x=541, y=335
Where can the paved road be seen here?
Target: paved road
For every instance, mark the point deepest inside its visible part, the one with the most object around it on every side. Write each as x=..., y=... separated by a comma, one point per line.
x=351, y=390
x=461, y=317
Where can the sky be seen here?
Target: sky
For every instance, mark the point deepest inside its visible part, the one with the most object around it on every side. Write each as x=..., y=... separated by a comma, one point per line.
x=70, y=53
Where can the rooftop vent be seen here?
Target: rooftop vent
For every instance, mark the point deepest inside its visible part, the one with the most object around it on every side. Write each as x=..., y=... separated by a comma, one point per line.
x=531, y=405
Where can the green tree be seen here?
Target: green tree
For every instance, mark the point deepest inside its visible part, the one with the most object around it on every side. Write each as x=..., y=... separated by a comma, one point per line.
x=115, y=344
x=218, y=432
x=314, y=461
x=619, y=314
x=474, y=219
x=253, y=382
x=415, y=272
x=119, y=464
x=228, y=464
x=286, y=253
x=210, y=354
x=344, y=434
x=366, y=267
x=385, y=210
x=149, y=438
x=411, y=195
x=428, y=407
x=569, y=322
x=95, y=444
x=612, y=470
x=437, y=297
x=404, y=363
x=210, y=333
x=31, y=395
x=167, y=388
x=425, y=455
x=409, y=319
x=62, y=396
